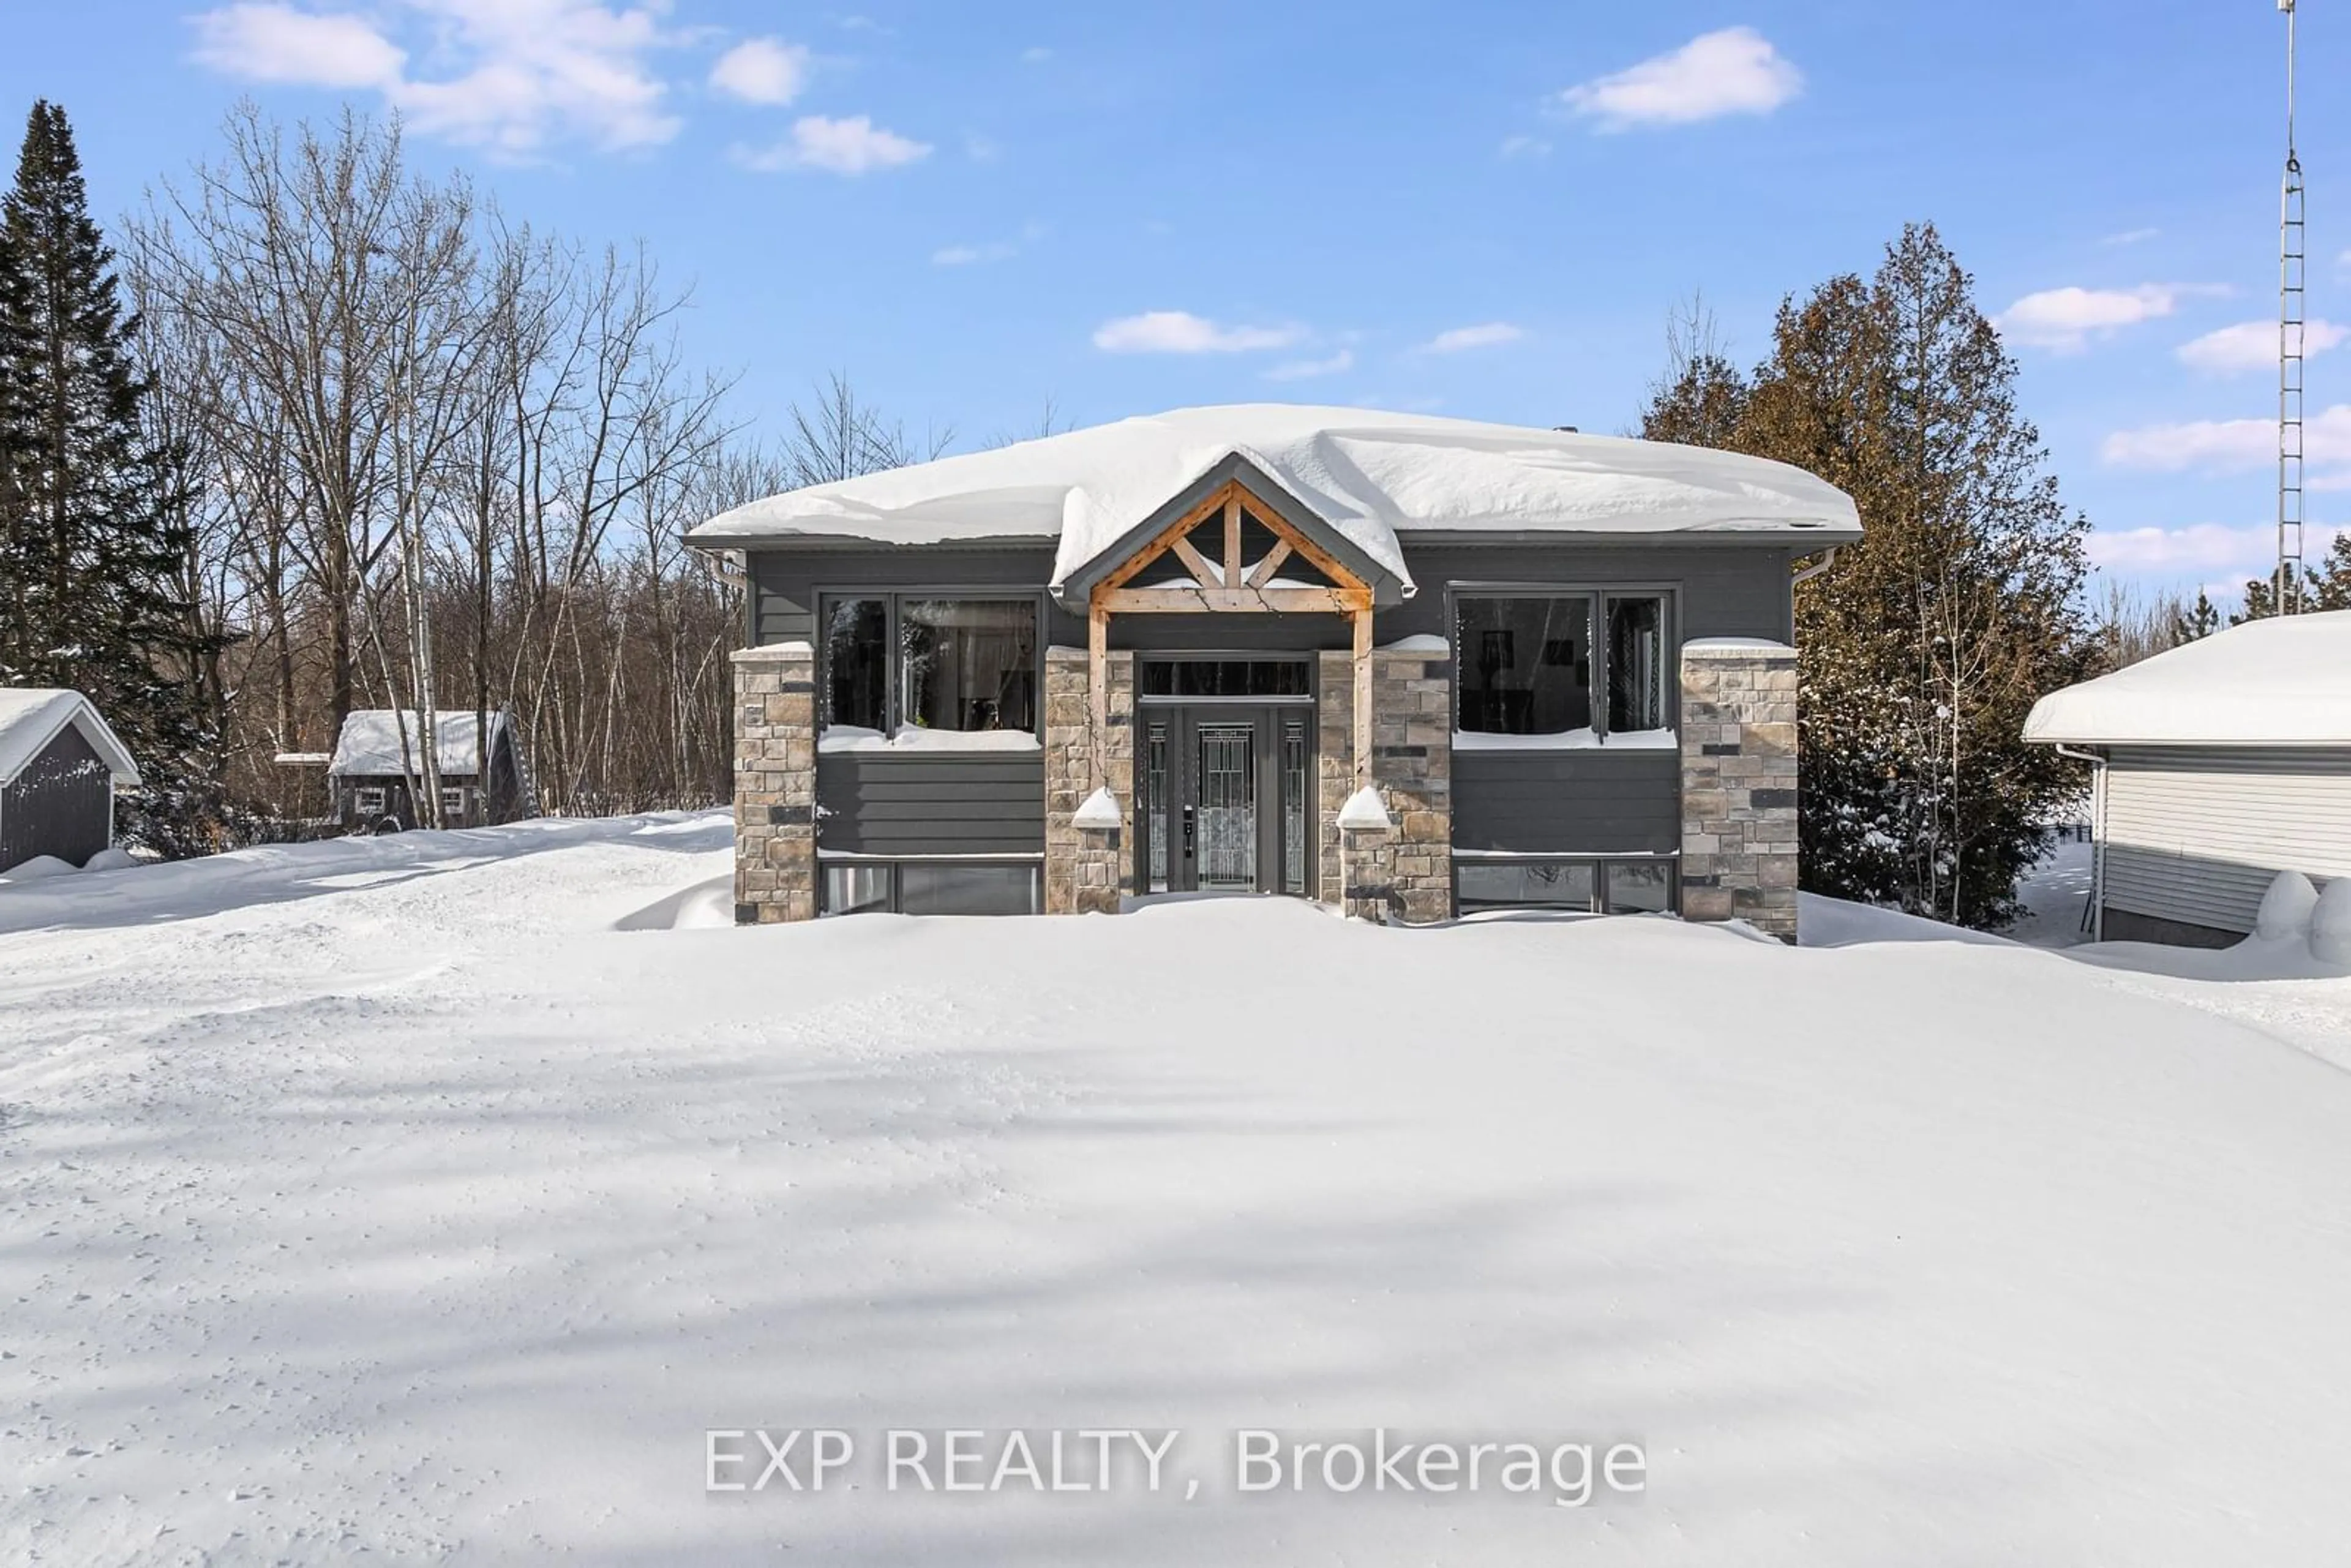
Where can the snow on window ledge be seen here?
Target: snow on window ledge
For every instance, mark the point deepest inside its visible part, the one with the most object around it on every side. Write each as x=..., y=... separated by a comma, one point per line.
x=914, y=738
x=1585, y=739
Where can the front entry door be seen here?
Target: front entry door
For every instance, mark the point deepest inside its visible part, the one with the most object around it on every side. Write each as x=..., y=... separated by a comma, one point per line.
x=1221, y=797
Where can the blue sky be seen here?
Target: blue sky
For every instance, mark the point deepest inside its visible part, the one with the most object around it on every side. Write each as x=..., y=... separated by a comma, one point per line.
x=1480, y=209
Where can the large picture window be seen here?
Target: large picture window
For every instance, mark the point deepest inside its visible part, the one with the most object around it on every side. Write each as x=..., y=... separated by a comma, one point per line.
x=969, y=664
x=929, y=661
x=1562, y=666
x=1524, y=663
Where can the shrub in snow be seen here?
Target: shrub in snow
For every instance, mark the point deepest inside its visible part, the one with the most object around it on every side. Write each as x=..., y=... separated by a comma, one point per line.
x=38, y=867
x=115, y=859
x=2285, y=908
x=2330, y=924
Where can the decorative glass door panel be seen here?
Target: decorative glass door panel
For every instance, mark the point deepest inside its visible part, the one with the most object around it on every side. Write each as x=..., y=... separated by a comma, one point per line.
x=1227, y=808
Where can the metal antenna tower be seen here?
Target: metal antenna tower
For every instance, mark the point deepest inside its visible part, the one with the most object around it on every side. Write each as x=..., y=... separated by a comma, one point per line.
x=2286, y=588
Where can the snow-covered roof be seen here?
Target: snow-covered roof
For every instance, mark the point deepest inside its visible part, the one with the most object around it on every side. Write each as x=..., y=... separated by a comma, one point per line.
x=370, y=745
x=2283, y=681
x=1369, y=476
x=30, y=717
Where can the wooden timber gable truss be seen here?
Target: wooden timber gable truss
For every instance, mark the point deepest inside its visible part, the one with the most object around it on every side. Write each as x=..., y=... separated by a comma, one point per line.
x=1231, y=586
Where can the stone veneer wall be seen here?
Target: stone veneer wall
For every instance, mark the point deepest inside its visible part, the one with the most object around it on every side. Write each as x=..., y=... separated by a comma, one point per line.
x=1334, y=779
x=775, y=783
x=1412, y=762
x=1739, y=784
x=1086, y=870
x=1406, y=873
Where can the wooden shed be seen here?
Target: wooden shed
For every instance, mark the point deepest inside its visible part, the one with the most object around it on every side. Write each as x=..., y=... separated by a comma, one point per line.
x=378, y=762
x=2219, y=763
x=59, y=765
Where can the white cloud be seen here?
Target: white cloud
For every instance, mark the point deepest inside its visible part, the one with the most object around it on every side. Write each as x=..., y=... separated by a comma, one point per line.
x=1485, y=335
x=1307, y=369
x=515, y=75
x=852, y=146
x=1525, y=147
x=2066, y=318
x=2200, y=548
x=762, y=70
x=1181, y=332
x=994, y=250
x=2231, y=445
x=2130, y=236
x=2253, y=346
x=279, y=44
x=1733, y=71
x=972, y=255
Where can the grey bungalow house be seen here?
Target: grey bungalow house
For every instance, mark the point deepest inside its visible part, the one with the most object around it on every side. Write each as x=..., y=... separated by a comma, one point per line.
x=1409, y=666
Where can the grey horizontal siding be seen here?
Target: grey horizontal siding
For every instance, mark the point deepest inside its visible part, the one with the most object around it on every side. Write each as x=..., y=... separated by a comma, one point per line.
x=1728, y=591
x=941, y=805
x=785, y=583
x=2196, y=834
x=1725, y=591
x=1567, y=802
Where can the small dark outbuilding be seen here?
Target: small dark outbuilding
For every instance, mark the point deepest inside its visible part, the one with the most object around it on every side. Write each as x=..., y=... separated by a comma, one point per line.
x=378, y=760
x=59, y=764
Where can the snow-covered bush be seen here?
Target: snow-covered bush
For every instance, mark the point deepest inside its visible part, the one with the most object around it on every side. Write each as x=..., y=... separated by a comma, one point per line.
x=2285, y=908
x=2330, y=923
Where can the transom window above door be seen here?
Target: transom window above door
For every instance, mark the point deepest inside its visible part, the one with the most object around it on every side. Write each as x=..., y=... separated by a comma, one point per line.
x=935, y=661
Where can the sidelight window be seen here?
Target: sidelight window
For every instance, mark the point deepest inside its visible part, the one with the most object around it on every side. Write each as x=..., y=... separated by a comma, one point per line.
x=1635, y=660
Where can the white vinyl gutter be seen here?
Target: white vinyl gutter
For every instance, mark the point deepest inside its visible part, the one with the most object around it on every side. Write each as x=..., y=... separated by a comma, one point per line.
x=1817, y=567
x=2097, y=762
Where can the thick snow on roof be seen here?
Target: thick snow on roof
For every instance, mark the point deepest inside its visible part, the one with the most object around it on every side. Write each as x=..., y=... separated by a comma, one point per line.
x=30, y=715
x=2285, y=681
x=371, y=745
x=1370, y=475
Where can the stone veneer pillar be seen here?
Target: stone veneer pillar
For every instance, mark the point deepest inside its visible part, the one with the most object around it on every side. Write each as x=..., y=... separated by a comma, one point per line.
x=775, y=783
x=1738, y=783
x=1087, y=870
x=1404, y=873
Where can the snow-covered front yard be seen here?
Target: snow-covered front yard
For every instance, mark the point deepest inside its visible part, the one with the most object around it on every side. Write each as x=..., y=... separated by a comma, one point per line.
x=434, y=1196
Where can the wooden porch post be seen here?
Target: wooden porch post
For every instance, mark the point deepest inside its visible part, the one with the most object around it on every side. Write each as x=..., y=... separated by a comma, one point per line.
x=1098, y=688
x=1362, y=619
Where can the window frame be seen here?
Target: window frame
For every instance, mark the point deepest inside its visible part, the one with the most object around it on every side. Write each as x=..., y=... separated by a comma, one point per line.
x=1601, y=864
x=890, y=866
x=359, y=793
x=1667, y=594
x=893, y=695
x=457, y=805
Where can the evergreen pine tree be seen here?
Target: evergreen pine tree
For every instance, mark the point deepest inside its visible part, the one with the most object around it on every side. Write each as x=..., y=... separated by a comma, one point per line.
x=1925, y=647
x=90, y=545
x=2261, y=597
x=2193, y=625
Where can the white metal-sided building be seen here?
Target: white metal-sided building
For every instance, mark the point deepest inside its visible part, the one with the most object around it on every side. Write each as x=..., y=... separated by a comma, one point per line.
x=2219, y=764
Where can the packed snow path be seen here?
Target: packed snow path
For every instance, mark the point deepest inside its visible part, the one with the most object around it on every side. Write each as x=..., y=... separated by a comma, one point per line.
x=432, y=1196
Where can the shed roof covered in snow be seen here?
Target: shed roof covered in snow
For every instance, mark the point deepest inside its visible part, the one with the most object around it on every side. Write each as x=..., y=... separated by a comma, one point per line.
x=370, y=745
x=2283, y=681
x=31, y=717
x=1368, y=475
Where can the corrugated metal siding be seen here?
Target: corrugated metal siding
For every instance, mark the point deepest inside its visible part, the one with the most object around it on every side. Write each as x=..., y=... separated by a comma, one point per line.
x=947, y=805
x=1567, y=802
x=61, y=804
x=2196, y=834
